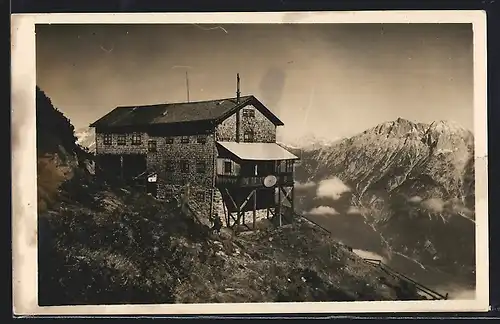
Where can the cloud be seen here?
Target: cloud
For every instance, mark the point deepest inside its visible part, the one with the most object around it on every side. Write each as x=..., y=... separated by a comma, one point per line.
x=323, y=210
x=353, y=210
x=368, y=255
x=434, y=204
x=308, y=184
x=415, y=199
x=332, y=188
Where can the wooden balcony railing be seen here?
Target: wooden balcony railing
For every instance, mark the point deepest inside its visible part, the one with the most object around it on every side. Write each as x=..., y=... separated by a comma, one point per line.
x=251, y=181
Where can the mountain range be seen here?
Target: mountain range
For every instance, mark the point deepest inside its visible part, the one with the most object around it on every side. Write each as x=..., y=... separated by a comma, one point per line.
x=400, y=189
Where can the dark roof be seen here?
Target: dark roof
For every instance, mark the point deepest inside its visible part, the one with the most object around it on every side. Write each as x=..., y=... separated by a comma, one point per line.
x=183, y=112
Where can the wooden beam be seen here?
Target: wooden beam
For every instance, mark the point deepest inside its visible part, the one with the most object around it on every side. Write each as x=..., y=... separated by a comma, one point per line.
x=279, y=206
x=254, y=209
x=247, y=199
x=232, y=200
x=226, y=216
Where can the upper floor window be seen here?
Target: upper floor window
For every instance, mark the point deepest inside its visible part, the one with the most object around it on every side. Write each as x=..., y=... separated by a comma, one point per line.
x=228, y=167
x=152, y=146
x=200, y=196
x=169, y=140
x=289, y=166
x=185, y=166
x=248, y=136
x=136, y=139
x=122, y=139
x=108, y=139
x=185, y=139
x=202, y=139
x=169, y=166
x=201, y=167
x=248, y=112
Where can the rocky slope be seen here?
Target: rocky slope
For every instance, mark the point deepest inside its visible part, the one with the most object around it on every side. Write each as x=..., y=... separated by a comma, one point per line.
x=104, y=243
x=413, y=184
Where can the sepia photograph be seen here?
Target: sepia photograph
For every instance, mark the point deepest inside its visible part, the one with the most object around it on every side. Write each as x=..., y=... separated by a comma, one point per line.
x=229, y=163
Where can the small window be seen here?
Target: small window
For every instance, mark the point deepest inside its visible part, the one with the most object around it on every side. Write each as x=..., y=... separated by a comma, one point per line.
x=169, y=166
x=228, y=167
x=289, y=166
x=202, y=139
x=248, y=136
x=136, y=139
x=122, y=139
x=184, y=166
x=200, y=196
x=169, y=140
x=108, y=139
x=152, y=146
x=169, y=193
x=185, y=139
x=248, y=112
x=201, y=167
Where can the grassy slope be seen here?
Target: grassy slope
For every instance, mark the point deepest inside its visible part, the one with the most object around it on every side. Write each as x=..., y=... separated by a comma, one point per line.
x=103, y=245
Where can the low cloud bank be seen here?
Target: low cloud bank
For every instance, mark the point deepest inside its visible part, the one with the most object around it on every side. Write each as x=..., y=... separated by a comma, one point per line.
x=322, y=210
x=332, y=188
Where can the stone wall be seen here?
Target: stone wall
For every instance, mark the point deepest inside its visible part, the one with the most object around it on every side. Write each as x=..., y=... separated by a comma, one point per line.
x=175, y=162
x=264, y=131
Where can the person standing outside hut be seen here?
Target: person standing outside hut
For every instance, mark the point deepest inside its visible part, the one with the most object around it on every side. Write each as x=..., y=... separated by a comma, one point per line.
x=217, y=223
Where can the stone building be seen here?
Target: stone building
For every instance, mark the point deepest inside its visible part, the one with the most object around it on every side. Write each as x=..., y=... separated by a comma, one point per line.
x=220, y=154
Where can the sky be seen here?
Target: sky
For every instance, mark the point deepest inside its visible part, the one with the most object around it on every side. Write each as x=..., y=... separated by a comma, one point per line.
x=322, y=80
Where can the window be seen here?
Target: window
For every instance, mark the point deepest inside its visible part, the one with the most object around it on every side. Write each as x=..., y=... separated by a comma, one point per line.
x=201, y=167
x=228, y=167
x=108, y=139
x=248, y=136
x=200, y=196
x=169, y=193
x=185, y=139
x=122, y=139
x=136, y=139
x=169, y=140
x=152, y=146
x=289, y=166
x=184, y=166
x=169, y=166
x=202, y=139
x=248, y=112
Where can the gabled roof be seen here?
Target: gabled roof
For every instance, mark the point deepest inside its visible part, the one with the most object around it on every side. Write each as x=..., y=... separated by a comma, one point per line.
x=183, y=112
x=258, y=151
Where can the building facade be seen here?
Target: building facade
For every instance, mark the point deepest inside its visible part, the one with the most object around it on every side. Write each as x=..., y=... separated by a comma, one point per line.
x=221, y=155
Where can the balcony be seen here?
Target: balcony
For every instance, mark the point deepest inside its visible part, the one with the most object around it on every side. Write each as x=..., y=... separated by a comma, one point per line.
x=251, y=181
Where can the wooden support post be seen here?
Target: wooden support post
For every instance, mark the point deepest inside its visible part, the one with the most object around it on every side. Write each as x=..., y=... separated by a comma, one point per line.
x=268, y=212
x=279, y=206
x=254, y=208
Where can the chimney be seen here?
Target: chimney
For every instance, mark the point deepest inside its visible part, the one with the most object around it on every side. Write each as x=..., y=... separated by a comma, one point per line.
x=238, y=112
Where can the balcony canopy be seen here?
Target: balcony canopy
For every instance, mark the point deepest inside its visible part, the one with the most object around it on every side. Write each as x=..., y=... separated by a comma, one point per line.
x=258, y=151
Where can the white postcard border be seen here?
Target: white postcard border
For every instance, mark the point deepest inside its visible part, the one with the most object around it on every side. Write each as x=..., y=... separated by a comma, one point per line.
x=24, y=174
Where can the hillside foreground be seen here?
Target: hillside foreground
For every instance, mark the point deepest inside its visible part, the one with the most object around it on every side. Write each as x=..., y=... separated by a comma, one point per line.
x=99, y=245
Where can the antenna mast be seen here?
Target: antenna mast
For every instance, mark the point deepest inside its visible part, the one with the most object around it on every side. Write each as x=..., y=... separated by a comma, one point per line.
x=187, y=85
x=238, y=88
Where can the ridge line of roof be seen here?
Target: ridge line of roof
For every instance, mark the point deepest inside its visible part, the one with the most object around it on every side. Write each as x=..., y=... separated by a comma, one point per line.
x=185, y=102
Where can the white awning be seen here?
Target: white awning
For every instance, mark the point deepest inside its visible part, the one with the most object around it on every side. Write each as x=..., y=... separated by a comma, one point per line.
x=258, y=151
